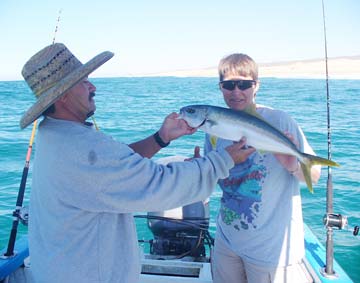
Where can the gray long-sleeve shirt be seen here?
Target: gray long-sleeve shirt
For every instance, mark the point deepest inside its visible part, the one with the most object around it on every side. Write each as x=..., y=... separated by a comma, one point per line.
x=85, y=187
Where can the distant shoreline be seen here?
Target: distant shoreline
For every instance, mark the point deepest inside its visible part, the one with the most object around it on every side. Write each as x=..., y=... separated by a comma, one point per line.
x=346, y=67
x=338, y=68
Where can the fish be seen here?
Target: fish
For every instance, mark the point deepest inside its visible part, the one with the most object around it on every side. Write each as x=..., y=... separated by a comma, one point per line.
x=232, y=125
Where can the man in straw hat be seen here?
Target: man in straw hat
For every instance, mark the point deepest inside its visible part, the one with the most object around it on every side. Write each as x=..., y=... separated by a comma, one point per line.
x=86, y=185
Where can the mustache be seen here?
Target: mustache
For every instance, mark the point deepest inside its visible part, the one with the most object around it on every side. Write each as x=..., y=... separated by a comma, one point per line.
x=91, y=95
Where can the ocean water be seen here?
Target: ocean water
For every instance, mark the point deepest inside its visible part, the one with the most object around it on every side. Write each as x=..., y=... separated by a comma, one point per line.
x=130, y=109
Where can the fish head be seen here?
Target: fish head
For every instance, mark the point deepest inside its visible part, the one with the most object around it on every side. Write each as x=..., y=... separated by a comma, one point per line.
x=194, y=115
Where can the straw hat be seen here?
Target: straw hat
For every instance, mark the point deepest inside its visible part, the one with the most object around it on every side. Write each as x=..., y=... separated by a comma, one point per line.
x=51, y=72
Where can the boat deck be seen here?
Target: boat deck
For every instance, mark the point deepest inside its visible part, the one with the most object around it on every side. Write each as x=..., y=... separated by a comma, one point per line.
x=169, y=269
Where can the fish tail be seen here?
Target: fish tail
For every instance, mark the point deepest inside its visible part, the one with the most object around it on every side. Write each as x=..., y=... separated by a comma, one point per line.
x=308, y=161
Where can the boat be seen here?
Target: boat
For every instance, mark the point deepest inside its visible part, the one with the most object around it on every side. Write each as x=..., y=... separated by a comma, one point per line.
x=180, y=250
x=172, y=267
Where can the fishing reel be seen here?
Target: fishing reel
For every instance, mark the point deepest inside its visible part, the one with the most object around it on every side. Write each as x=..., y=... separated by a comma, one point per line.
x=22, y=214
x=332, y=220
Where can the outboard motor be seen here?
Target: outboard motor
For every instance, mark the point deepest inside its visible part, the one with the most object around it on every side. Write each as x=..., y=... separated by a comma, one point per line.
x=180, y=231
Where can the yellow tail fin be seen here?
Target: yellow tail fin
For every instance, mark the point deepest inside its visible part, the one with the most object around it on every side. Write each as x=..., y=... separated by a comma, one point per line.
x=310, y=160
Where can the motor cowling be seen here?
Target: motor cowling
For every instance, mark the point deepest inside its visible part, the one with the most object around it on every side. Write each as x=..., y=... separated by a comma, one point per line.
x=180, y=231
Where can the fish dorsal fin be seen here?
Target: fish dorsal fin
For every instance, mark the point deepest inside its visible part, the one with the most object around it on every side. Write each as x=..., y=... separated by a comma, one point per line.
x=251, y=109
x=213, y=141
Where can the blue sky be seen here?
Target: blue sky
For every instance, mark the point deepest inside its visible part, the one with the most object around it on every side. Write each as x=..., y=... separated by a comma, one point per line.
x=163, y=35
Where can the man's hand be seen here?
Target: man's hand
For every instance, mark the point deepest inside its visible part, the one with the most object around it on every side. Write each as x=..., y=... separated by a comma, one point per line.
x=173, y=128
x=196, y=154
x=238, y=152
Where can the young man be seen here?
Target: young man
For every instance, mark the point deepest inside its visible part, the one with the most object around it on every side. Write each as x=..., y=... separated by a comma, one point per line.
x=259, y=236
x=86, y=185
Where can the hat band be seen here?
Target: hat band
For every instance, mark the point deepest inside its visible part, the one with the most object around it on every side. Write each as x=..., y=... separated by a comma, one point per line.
x=51, y=74
x=38, y=94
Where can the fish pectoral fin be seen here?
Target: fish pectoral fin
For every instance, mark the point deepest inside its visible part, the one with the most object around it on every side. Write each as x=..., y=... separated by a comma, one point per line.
x=210, y=123
x=213, y=141
x=306, y=169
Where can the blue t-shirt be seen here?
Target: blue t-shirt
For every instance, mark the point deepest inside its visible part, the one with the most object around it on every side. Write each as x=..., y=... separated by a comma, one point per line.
x=260, y=216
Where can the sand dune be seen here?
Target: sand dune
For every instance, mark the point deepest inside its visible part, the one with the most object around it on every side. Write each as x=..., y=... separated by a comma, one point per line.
x=338, y=68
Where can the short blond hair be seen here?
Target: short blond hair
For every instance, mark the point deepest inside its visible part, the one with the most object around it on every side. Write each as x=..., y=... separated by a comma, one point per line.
x=238, y=64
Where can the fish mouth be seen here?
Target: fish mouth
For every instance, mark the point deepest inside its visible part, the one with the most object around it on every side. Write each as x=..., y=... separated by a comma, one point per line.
x=181, y=116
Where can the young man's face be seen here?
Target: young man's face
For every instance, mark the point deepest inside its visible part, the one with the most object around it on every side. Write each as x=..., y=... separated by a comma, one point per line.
x=239, y=91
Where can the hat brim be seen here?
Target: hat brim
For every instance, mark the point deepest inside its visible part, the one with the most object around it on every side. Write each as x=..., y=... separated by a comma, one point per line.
x=47, y=98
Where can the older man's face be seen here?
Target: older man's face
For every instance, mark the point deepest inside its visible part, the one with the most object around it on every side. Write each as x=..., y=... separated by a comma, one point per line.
x=80, y=101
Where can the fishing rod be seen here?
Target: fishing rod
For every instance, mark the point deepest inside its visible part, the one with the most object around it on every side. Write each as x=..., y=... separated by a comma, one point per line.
x=329, y=271
x=330, y=219
x=17, y=214
x=20, y=213
x=56, y=27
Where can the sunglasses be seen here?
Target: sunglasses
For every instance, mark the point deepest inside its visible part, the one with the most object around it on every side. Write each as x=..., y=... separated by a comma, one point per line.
x=241, y=84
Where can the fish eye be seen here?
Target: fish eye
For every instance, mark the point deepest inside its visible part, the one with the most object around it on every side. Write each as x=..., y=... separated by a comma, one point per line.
x=190, y=110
